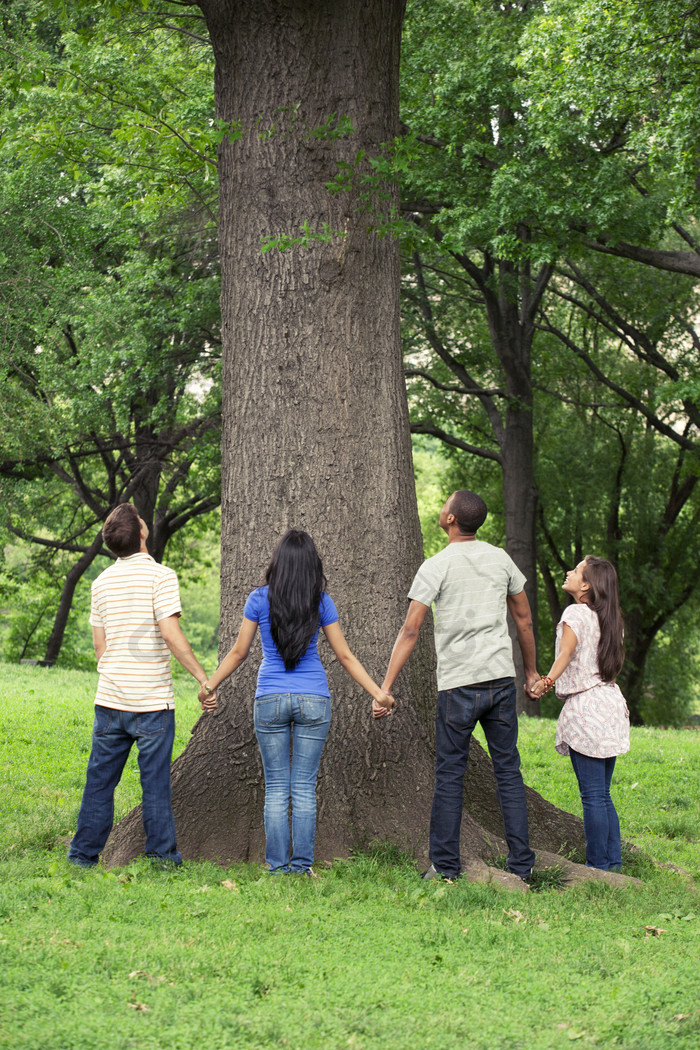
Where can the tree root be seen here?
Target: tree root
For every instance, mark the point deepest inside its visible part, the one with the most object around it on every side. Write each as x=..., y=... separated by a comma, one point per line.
x=477, y=870
x=576, y=873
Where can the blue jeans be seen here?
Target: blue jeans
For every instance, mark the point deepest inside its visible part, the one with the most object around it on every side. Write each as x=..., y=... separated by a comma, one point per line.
x=303, y=721
x=113, y=734
x=493, y=705
x=600, y=821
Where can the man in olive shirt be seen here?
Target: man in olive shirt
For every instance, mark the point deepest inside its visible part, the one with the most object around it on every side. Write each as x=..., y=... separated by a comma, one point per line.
x=473, y=585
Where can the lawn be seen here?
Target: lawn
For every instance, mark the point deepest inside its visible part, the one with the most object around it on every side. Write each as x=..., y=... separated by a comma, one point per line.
x=365, y=956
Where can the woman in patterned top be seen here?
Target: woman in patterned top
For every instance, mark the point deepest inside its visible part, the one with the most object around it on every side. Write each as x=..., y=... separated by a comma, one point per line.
x=593, y=727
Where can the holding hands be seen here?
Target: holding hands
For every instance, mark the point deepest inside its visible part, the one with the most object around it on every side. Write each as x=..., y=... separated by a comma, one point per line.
x=207, y=698
x=566, y=646
x=534, y=686
x=383, y=704
x=541, y=686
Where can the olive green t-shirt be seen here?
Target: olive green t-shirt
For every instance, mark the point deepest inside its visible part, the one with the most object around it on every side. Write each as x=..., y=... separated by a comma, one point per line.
x=468, y=583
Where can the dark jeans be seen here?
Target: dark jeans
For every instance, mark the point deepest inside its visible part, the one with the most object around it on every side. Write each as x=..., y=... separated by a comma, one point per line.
x=113, y=734
x=600, y=821
x=493, y=705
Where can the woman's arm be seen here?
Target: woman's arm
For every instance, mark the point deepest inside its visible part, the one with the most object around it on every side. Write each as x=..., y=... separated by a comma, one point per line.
x=233, y=659
x=567, y=647
x=382, y=702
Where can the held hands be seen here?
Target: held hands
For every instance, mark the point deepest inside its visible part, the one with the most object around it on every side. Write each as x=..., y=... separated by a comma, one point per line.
x=538, y=686
x=383, y=706
x=208, y=701
x=533, y=686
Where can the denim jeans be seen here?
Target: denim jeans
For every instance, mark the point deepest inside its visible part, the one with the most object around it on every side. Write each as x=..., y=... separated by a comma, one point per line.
x=600, y=821
x=302, y=720
x=113, y=734
x=493, y=705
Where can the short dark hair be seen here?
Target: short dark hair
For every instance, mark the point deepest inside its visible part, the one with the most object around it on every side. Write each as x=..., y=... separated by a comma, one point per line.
x=122, y=530
x=469, y=510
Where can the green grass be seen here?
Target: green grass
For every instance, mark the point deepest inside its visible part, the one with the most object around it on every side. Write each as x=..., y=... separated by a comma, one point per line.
x=656, y=787
x=365, y=956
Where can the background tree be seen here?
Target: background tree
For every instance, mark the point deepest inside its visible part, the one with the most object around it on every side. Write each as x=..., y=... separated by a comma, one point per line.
x=573, y=167
x=466, y=115
x=616, y=93
x=108, y=289
x=627, y=398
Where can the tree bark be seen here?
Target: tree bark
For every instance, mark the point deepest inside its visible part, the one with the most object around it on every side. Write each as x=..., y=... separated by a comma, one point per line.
x=315, y=432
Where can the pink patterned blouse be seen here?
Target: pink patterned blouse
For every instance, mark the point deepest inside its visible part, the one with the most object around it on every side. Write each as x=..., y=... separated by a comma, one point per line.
x=594, y=720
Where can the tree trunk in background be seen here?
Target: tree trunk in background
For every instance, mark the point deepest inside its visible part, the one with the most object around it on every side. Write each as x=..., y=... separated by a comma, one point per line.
x=315, y=431
x=638, y=641
x=73, y=576
x=511, y=326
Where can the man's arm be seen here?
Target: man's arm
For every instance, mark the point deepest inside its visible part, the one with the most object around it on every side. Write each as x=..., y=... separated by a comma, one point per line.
x=99, y=641
x=181, y=649
x=405, y=643
x=519, y=609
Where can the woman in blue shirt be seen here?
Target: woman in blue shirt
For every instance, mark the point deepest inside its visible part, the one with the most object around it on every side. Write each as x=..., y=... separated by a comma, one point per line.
x=292, y=700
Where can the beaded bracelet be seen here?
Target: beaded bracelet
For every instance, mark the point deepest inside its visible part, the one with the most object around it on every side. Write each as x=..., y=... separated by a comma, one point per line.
x=548, y=682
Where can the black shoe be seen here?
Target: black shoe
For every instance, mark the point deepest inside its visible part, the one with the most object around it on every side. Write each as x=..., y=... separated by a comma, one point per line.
x=162, y=863
x=433, y=873
x=523, y=878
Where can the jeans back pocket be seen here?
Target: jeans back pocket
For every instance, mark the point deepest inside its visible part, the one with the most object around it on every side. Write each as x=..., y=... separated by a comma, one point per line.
x=267, y=711
x=103, y=720
x=313, y=710
x=151, y=723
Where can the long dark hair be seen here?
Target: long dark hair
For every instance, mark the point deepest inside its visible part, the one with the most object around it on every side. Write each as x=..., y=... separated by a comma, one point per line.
x=296, y=582
x=604, y=599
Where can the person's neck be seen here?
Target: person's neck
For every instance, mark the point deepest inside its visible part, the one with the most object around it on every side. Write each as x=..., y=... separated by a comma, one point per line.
x=455, y=536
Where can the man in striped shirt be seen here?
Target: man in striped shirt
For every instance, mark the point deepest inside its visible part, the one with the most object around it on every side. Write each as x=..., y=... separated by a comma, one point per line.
x=134, y=615
x=472, y=586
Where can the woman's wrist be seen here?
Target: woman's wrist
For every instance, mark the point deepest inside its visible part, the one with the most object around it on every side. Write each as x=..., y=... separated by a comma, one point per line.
x=548, y=682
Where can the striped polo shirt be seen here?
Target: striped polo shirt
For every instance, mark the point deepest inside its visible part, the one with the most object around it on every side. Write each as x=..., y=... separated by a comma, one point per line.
x=469, y=583
x=128, y=599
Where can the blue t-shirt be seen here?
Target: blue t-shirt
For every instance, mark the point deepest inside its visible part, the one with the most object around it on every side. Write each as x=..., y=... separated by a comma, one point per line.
x=308, y=676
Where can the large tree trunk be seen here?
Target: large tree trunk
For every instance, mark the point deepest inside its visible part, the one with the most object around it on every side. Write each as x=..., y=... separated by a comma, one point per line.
x=315, y=431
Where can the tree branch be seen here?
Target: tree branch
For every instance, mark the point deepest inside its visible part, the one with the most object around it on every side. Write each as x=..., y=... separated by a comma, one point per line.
x=424, y=427
x=490, y=391
x=639, y=406
x=673, y=261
